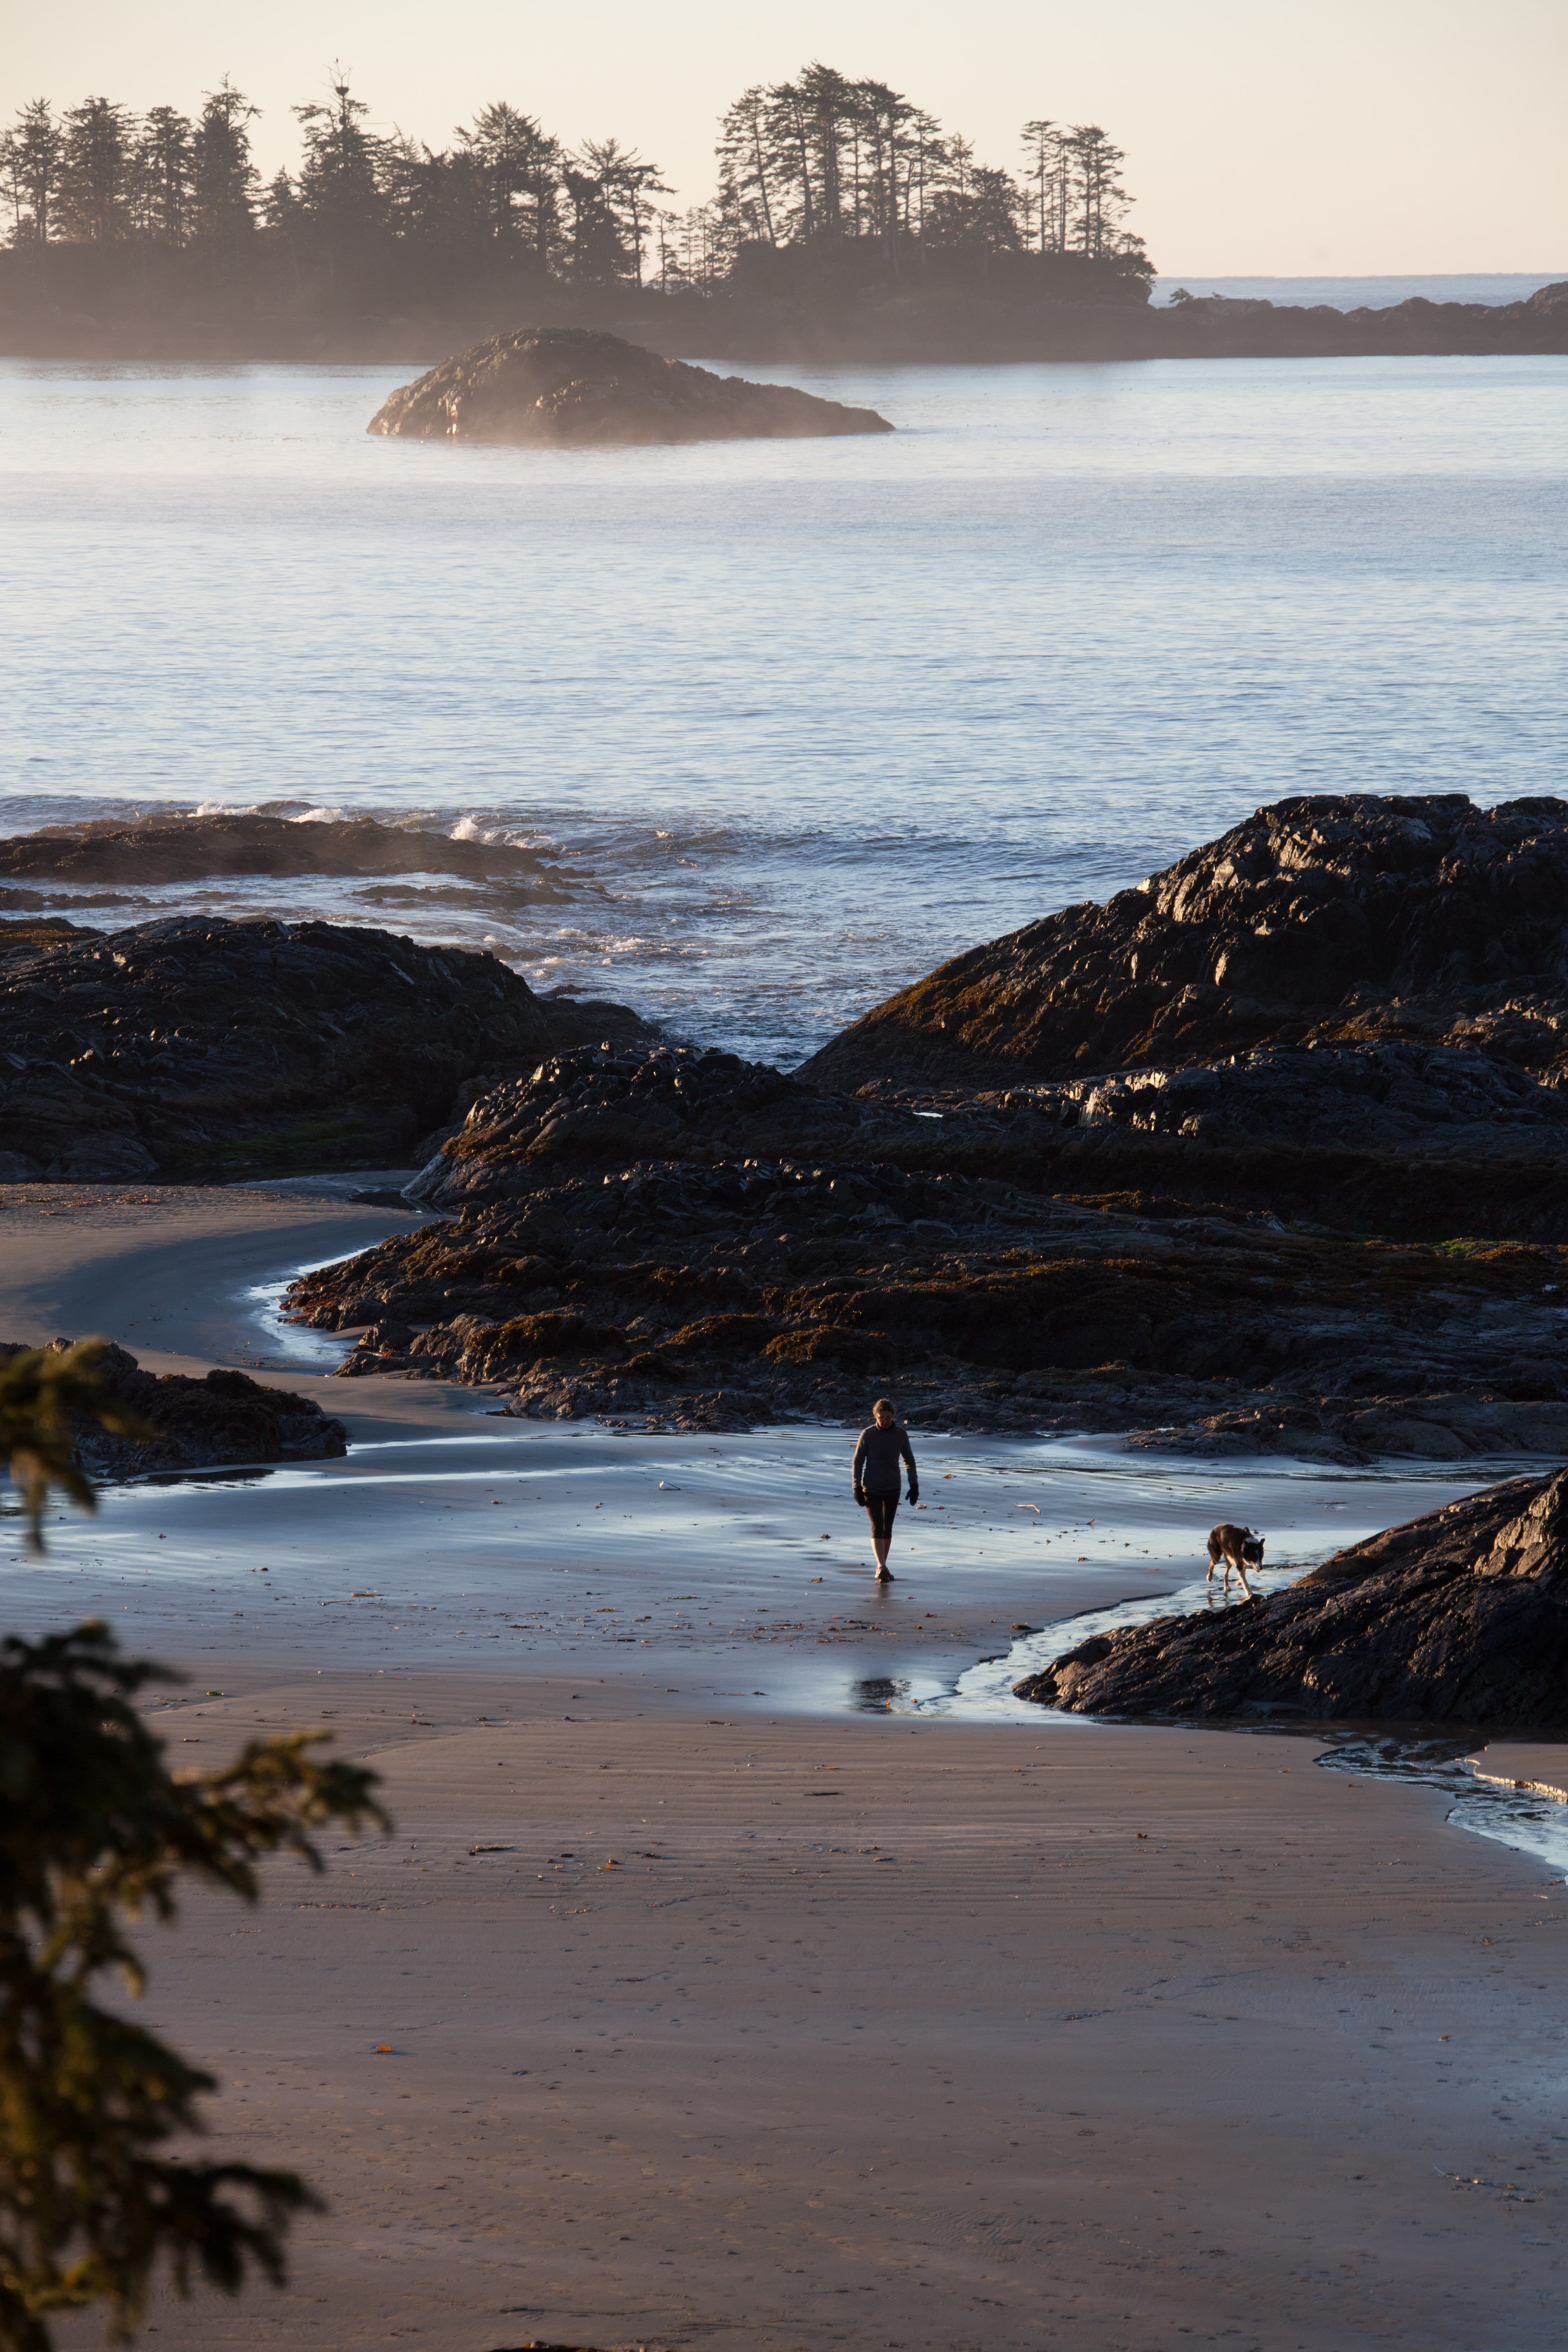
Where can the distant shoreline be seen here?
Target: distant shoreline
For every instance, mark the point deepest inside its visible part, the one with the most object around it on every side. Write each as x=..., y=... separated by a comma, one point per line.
x=1372, y=289
x=923, y=327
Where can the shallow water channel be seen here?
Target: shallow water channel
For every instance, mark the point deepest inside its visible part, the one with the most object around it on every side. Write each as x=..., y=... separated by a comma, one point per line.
x=728, y=1569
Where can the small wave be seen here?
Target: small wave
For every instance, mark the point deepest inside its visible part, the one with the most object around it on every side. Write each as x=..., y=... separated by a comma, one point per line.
x=763, y=936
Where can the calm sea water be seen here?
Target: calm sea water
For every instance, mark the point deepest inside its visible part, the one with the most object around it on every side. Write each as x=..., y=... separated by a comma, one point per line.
x=802, y=717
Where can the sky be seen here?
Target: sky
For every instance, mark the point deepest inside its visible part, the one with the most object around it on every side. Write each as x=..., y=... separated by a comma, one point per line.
x=1263, y=137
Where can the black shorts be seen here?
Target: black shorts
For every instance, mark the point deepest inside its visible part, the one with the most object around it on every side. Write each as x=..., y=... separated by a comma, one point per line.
x=880, y=1509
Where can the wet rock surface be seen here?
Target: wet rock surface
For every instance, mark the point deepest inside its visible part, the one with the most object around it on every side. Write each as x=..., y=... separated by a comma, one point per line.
x=227, y=1418
x=729, y=1285
x=1460, y=1616
x=573, y=387
x=196, y=1046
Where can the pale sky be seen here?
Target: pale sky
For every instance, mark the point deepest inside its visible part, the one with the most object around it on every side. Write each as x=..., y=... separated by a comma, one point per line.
x=1263, y=137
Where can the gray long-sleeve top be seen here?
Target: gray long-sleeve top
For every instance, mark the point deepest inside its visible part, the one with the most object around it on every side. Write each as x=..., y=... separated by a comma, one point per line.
x=877, y=1459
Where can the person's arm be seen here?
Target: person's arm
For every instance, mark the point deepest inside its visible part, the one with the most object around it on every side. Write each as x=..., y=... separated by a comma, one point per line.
x=858, y=1473
x=906, y=1450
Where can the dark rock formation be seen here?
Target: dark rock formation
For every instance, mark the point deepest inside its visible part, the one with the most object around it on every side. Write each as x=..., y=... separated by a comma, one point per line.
x=1392, y=1137
x=1336, y=921
x=1419, y=1100
x=568, y=387
x=1423, y=1142
x=579, y=1282
x=186, y=846
x=225, y=1419
x=20, y=936
x=1351, y=984
x=695, y=1291
x=1460, y=1616
x=690, y=1236
x=405, y=868
x=589, y=1109
x=201, y=1047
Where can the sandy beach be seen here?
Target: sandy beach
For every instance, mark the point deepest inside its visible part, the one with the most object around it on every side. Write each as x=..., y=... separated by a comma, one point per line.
x=900, y=2025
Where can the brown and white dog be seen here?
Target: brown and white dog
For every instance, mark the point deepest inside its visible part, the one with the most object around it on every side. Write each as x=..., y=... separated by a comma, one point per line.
x=1239, y=1548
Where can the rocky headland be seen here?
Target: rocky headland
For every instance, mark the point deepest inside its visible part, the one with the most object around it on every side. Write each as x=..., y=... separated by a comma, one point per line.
x=199, y=1047
x=1460, y=1616
x=227, y=1418
x=571, y=387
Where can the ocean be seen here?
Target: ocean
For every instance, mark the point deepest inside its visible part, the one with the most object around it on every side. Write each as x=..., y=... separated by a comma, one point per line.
x=798, y=720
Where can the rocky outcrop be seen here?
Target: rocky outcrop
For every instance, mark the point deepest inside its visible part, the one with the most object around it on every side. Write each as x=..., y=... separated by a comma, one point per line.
x=705, y=1294
x=569, y=387
x=226, y=1419
x=201, y=1047
x=194, y=845
x=1418, y=1100
x=1342, y=921
x=1460, y=1616
x=578, y=1277
x=603, y=1109
x=1351, y=1009
x=1391, y=1138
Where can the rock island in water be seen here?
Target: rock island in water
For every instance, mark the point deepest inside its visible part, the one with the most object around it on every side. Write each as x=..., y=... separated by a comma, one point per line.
x=571, y=387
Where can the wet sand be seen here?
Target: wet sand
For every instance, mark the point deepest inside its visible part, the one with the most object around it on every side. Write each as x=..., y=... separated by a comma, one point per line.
x=879, y=2031
x=732, y=1566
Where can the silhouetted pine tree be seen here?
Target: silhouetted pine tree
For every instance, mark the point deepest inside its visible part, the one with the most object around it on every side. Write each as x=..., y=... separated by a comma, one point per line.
x=97, y=171
x=825, y=181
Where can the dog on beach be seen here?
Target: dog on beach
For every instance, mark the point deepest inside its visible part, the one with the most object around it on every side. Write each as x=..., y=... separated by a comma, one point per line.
x=1239, y=1548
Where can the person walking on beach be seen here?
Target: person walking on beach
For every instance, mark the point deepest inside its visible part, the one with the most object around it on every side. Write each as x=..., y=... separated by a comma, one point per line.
x=883, y=1445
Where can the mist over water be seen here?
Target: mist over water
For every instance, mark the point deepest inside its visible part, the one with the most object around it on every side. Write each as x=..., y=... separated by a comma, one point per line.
x=798, y=718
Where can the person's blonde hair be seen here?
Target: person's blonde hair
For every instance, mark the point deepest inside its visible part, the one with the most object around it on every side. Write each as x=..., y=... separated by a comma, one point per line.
x=883, y=1404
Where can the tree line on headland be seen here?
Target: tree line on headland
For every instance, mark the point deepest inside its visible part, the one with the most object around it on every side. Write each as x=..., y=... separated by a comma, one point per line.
x=825, y=182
